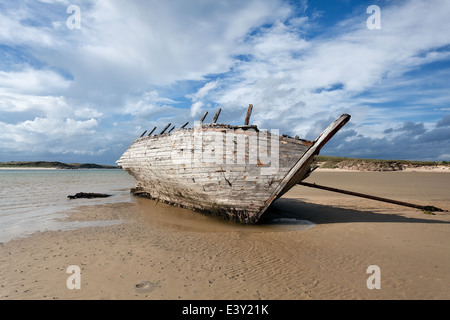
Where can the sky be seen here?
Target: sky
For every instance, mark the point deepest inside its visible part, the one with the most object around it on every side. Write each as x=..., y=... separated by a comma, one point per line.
x=81, y=80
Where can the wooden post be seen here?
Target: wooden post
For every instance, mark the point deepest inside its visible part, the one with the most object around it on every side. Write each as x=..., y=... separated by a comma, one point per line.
x=216, y=116
x=356, y=194
x=184, y=125
x=249, y=113
x=143, y=134
x=152, y=131
x=204, y=116
x=171, y=129
x=164, y=130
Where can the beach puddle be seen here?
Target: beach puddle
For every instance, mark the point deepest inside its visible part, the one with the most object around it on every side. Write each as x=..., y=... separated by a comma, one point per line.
x=166, y=216
x=288, y=224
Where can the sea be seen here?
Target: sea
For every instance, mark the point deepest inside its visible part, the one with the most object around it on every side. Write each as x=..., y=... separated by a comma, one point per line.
x=36, y=200
x=33, y=200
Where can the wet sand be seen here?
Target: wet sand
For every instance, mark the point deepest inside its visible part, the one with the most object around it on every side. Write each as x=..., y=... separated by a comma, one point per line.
x=162, y=252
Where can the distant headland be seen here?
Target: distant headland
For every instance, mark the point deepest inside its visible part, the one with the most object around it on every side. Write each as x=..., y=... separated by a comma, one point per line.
x=322, y=162
x=53, y=165
x=355, y=164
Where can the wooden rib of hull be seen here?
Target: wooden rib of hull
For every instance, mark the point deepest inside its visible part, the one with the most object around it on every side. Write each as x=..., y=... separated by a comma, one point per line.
x=201, y=169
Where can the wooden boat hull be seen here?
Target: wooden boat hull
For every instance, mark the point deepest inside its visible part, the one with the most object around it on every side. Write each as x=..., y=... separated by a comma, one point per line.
x=231, y=171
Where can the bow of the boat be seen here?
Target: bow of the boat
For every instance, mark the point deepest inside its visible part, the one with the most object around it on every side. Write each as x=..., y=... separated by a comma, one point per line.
x=302, y=168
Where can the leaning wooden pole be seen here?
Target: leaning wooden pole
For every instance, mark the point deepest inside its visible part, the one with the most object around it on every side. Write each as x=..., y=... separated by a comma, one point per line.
x=143, y=134
x=164, y=130
x=356, y=194
x=249, y=113
x=216, y=117
x=204, y=116
x=184, y=125
x=152, y=131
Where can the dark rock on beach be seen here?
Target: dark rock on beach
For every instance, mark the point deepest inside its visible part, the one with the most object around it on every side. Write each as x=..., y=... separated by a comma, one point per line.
x=89, y=195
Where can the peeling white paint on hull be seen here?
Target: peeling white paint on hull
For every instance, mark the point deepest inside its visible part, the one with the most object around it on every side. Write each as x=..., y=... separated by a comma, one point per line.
x=232, y=171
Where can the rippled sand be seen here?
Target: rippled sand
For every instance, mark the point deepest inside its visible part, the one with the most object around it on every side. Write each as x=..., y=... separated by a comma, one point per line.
x=312, y=245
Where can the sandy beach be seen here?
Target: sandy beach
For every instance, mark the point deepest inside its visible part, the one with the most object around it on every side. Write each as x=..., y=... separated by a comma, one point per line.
x=163, y=252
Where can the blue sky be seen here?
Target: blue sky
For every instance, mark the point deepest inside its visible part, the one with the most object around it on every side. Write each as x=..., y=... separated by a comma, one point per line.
x=84, y=94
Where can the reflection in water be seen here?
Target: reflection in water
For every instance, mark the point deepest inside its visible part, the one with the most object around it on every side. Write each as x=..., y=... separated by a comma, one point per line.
x=32, y=200
x=162, y=215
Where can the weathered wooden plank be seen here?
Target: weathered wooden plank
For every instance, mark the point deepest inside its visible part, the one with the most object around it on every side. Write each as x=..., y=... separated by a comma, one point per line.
x=143, y=134
x=216, y=117
x=249, y=114
x=184, y=125
x=165, y=128
x=218, y=167
x=151, y=132
x=204, y=116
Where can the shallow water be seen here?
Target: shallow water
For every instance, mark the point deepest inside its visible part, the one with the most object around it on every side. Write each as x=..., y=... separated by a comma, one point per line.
x=33, y=200
x=36, y=200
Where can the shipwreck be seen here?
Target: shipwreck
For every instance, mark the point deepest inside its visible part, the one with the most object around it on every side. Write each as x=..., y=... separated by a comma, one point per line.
x=234, y=171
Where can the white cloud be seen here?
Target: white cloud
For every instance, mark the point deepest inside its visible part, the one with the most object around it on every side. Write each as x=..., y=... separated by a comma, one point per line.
x=147, y=102
x=32, y=81
x=57, y=127
x=14, y=32
x=139, y=60
x=16, y=102
x=199, y=95
x=195, y=108
x=128, y=46
x=203, y=91
x=293, y=81
x=87, y=113
x=43, y=134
